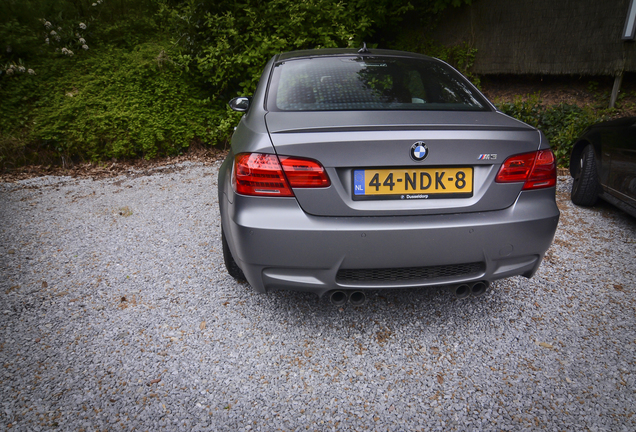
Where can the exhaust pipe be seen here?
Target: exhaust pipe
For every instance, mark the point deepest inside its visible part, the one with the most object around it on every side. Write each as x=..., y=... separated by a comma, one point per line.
x=338, y=298
x=462, y=291
x=479, y=288
x=357, y=298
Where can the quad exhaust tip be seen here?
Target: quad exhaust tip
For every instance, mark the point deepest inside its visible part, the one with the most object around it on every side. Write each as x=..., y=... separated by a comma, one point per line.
x=462, y=291
x=340, y=298
x=479, y=288
x=476, y=289
x=357, y=298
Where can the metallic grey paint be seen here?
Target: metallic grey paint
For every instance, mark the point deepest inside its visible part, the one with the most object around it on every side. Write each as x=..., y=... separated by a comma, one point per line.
x=301, y=242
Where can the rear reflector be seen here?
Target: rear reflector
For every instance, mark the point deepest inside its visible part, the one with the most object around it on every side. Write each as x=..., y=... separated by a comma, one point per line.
x=264, y=175
x=537, y=170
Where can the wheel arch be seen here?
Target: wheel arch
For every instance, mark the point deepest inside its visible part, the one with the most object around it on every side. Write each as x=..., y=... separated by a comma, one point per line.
x=577, y=150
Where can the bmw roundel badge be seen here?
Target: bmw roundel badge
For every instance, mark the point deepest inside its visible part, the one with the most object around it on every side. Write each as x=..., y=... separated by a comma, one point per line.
x=419, y=151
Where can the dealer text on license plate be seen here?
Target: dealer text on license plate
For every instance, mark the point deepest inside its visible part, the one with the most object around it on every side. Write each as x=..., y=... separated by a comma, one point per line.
x=421, y=183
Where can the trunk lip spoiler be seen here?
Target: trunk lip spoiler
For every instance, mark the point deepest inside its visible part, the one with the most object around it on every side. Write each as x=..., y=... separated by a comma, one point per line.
x=367, y=128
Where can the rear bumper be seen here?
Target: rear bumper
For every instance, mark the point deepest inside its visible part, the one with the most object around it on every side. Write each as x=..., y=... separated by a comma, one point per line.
x=278, y=246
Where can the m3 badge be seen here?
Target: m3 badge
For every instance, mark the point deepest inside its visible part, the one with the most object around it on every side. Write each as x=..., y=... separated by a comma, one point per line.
x=488, y=156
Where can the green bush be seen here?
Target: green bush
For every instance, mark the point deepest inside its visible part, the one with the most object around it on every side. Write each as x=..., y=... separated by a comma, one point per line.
x=460, y=56
x=114, y=104
x=225, y=45
x=561, y=124
x=32, y=28
x=228, y=43
x=96, y=79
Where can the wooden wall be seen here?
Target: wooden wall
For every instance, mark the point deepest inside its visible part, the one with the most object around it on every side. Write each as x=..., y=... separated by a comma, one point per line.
x=551, y=37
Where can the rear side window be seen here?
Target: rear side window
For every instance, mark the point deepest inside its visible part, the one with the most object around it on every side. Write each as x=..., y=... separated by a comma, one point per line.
x=369, y=83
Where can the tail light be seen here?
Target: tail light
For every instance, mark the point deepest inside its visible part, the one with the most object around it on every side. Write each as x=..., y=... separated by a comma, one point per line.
x=304, y=173
x=268, y=175
x=537, y=170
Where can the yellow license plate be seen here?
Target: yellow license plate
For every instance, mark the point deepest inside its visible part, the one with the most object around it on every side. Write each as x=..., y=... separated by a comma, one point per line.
x=413, y=183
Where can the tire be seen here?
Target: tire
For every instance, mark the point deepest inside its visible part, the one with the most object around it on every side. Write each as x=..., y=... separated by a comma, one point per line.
x=586, y=188
x=232, y=267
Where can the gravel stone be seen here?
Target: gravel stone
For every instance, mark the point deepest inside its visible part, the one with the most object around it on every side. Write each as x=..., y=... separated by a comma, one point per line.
x=117, y=313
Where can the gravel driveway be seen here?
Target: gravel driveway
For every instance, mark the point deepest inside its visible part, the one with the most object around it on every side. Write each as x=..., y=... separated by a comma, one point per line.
x=116, y=314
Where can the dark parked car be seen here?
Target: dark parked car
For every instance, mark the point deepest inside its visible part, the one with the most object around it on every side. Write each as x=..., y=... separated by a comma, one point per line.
x=603, y=164
x=362, y=170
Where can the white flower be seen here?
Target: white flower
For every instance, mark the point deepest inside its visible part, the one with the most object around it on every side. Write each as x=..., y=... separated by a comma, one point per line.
x=64, y=51
x=47, y=24
x=21, y=69
x=46, y=41
x=82, y=41
x=85, y=46
x=82, y=26
x=31, y=72
x=94, y=4
x=70, y=53
x=57, y=38
x=9, y=71
x=59, y=28
x=53, y=32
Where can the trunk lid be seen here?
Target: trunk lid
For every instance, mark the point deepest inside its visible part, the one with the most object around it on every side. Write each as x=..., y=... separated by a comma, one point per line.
x=346, y=142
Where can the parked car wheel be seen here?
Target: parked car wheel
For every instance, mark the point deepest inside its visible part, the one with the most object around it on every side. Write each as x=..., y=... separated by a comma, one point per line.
x=232, y=268
x=586, y=187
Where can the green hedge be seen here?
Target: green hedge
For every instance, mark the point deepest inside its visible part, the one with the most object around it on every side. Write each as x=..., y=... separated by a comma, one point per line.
x=96, y=79
x=113, y=104
x=561, y=124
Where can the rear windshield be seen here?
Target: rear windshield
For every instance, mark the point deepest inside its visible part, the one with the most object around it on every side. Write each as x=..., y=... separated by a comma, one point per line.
x=369, y=83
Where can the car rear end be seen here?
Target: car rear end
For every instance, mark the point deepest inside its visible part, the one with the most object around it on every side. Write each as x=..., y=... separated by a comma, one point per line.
x=329, y=189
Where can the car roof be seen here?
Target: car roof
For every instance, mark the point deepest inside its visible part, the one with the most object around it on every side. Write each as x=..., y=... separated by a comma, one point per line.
x=619, y=122
x=334, y=52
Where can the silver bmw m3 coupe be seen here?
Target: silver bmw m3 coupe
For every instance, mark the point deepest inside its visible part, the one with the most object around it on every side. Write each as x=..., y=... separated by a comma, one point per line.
x=375, y=169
